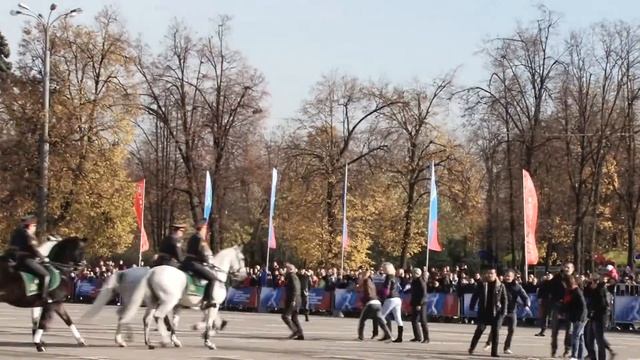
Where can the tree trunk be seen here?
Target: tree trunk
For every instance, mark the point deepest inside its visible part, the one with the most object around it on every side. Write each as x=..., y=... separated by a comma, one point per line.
x=408, y=216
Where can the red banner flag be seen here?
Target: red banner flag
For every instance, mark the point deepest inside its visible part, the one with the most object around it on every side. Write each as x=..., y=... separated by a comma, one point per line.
x=138, y=205
x=530, y=218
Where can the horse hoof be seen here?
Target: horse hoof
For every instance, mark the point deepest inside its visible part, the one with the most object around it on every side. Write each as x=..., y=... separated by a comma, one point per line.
x=82, y=343
x=151, y=347
x=122, y=344
x=40, y=348
x=210, y=345
x=176, y=342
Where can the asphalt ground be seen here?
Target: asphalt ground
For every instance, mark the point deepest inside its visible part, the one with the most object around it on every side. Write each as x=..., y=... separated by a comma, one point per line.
x=264, y=336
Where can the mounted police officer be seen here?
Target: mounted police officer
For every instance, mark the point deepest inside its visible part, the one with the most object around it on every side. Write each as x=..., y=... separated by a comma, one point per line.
x=197, y=260
x=23, y=247
x=170, y=251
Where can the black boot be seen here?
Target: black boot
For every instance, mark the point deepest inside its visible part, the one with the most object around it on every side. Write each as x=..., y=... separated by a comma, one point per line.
x=425, y=333
x=387, y=333
x=44, y=289
x=400, y=331
x=374, y=334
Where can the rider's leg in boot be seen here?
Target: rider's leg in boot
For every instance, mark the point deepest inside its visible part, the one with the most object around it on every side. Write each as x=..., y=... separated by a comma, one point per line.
x=44, y=287
x=206, y=300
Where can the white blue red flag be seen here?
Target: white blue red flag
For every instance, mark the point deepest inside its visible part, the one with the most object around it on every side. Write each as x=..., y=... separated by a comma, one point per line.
x=345, y=230
x=272, y=207
x=432, y=233
x=208, y=197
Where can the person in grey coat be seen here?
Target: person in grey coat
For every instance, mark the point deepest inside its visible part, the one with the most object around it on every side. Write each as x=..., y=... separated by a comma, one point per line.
x=292, y=302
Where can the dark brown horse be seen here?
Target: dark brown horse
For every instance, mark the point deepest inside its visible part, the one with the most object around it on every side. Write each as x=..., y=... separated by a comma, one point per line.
x=65, y=256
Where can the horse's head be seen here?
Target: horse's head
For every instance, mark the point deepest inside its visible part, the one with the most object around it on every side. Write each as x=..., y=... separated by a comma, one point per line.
x=232, y=261
x=69, y=251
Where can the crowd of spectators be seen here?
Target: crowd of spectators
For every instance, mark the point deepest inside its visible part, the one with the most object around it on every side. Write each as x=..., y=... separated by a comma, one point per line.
x=459, y=279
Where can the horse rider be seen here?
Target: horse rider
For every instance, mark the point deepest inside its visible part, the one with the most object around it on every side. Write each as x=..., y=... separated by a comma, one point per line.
x=23, y=247
x=170, y=251
x=197, y=259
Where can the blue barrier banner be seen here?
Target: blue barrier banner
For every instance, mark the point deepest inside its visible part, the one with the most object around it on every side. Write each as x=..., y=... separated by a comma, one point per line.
x=319, y=300
x=627, y=309
x=271, y=299
x=242, y=297
x=533, y=311
x=347, y=300
x=87, y=288
x=442, y=304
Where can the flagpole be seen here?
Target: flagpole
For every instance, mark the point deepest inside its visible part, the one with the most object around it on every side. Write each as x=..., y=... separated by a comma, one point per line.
x=274, y=180
x=524, y=215
x=344, y=215
x=141, y=224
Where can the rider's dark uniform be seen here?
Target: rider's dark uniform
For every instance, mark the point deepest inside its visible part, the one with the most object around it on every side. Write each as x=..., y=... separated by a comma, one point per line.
x=195, y=261
x=169, y=251
x=23, y=247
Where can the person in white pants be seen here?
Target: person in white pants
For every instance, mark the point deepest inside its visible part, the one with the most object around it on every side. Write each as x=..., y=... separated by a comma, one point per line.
x=392, y=301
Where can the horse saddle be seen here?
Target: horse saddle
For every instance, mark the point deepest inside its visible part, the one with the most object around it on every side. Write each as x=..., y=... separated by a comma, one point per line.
x=31, y=282
x=195, y=285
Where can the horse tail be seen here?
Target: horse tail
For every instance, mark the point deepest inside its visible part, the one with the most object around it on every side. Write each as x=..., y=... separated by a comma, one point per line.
x=131, y=308
x=106, y=293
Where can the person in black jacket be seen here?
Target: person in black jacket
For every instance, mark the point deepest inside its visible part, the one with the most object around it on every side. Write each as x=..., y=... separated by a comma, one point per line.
x=170, y=251
x=557, y=292
x=575, y=308
x=197, y=258
x=305, y=284
x=492, y=298
x=598, y=305
x=418, y=310
x=544, y=302
x=23, y=247
x=514, y=292
x=392, y=302
x=292, y=302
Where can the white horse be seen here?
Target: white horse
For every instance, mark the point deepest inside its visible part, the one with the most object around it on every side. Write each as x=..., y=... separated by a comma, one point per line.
x=45, y=249
x=124, y=283
x=165, y=287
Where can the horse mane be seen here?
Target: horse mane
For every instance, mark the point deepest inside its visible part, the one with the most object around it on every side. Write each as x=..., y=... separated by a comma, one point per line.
x=64, y=244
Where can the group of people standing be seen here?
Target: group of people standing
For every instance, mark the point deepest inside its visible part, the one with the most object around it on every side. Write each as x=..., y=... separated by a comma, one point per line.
x=377, y=306
x=584, y=310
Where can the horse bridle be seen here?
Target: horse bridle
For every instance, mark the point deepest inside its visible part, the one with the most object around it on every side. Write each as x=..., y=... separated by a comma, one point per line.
x=217, y=268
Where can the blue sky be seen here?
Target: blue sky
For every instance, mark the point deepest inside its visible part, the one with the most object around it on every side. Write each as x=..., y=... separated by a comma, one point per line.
x=294, y=42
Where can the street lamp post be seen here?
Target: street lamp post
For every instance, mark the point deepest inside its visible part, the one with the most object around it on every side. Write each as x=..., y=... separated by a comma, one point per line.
x=43, y=141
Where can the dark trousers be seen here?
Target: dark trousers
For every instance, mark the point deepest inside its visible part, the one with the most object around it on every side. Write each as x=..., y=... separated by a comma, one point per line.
x=373, y=312
x=494, y=335
x=545, y=315
x=594, y=335
x=304, y=307
x=419, y=323
x=555, y=329
x=511, y=321
x=36, y=269
x=202, y=272
x=290, y=317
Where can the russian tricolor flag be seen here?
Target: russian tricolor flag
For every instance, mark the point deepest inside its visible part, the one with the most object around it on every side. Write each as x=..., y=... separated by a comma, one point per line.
x=432, y=233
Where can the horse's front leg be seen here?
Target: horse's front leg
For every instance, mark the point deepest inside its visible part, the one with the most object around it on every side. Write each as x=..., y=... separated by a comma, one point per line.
x=35, y=319
x=45, y=317
x=64, y=315
x=212, y=314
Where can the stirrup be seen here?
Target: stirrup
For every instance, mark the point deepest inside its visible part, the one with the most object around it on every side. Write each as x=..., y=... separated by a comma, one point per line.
x=208, y=304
